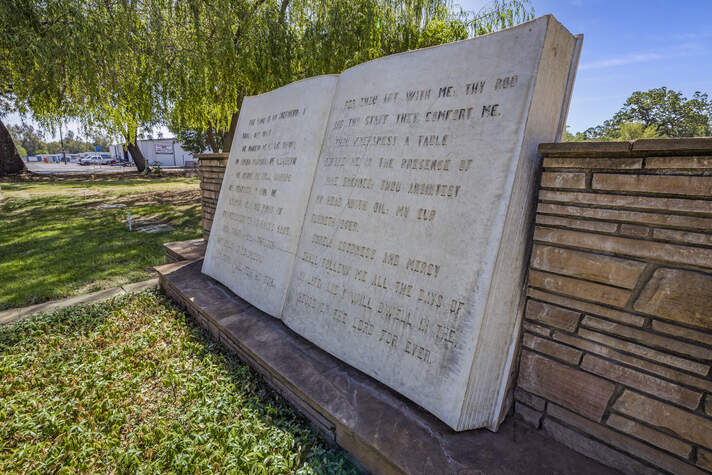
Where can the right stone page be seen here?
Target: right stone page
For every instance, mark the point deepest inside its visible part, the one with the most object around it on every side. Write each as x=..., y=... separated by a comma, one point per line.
x=411, y=261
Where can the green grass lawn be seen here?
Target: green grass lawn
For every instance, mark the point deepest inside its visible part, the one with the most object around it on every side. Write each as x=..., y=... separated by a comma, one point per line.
x=132, y=385
x=55, y=243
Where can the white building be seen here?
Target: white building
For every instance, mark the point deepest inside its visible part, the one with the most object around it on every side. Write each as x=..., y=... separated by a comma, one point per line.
x=167, y=152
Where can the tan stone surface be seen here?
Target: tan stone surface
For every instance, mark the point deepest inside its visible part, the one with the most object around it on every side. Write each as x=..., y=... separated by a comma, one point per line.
x=634, y=230
x=708, y=405
x=581, y=392
x=704, y=459
x=660, y=184
x=682, y=423
x=618, y=215
x=558, y=351
x=537, y=329
x=682, y=236
x=585, y=265
x=595, y=449
x=628, y=201
x=645, y=352
x=579, y=288
x=529, y=399
x=679, y=144
x=643, y=382
x=647, y=338
x=623, y=442
x=593, y=163
x=679, y=295
x=663, y=371
x=678, y=162
x=552, y=315
x=682, y=332
x=529, y=415
x=585, y=147
x=672, y=253
x=563, y=180
x=623, y=317
x=651, y=436
x=600, y=226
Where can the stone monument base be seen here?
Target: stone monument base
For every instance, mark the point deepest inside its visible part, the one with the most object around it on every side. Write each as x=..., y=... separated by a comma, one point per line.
x=383, y=431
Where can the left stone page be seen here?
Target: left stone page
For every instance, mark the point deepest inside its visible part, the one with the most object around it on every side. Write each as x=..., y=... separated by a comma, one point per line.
x=266, y=189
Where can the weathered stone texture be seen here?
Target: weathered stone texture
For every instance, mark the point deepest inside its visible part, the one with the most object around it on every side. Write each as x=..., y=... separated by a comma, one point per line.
x=563, y=180
x=628, y=201
x=617, y=315
x=648, y=338
x=678, y=295
x=684, y=424
x=593, y=163
x=645, y=352
x=585, y=265
x=653, y=251
x=658, y=184
x=641, y=381
x=628, y=216
x=642, y=230
x=558, y=351
x=579, y=288
x=656, y=438
x=581, y=392
x=552, y=315
x=599, y=226
x=211, y=169
x=704, y=459
x=622, y=442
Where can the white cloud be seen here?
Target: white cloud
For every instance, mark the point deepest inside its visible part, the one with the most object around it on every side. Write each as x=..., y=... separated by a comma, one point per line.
x=621, y=61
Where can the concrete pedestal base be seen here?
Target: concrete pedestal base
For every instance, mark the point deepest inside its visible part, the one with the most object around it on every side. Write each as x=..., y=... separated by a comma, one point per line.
x=184, y=250
x=382, y=430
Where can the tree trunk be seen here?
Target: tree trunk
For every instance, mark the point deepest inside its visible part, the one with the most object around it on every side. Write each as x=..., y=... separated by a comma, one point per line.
x=10, y=161
x=227, y=140
x=137, y=156
x=211, y=139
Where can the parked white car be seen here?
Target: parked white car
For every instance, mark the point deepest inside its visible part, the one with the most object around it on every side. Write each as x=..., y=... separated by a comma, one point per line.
x=95, y=160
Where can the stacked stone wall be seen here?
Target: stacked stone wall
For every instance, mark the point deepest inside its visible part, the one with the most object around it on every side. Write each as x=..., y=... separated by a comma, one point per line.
x=616, y=342
x=211, y=168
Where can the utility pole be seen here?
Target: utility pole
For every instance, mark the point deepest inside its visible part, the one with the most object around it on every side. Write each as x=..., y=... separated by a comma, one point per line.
x=61, y=141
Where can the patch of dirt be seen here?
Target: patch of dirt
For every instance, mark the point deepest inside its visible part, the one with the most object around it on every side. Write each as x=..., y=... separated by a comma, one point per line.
x=174, y=198
x=87, y=192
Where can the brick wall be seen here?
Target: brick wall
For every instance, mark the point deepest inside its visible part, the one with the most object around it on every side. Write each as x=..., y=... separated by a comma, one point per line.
x=616, y=345
x=211, y=168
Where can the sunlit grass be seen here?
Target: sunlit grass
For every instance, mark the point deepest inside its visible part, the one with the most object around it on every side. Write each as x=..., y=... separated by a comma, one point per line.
x=132, y=385
x=55, y=243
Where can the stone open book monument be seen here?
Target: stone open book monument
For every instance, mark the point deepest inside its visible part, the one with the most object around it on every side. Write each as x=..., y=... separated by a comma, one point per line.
x=384, y=214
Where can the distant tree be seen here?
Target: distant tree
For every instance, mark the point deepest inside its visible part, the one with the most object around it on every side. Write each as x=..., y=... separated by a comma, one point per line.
x=21, y=150
x=670, y=112
x=637, y=130
x=659, y=112
x=26, y=136
x=199, y=141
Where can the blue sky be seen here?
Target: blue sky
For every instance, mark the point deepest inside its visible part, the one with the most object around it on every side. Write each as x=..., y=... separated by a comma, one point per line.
x=631, y=45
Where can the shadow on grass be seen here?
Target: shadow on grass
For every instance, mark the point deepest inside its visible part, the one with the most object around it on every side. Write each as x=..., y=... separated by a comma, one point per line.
x=55, y=247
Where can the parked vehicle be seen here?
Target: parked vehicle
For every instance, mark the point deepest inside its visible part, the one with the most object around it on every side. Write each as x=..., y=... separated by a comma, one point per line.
x=96, y=160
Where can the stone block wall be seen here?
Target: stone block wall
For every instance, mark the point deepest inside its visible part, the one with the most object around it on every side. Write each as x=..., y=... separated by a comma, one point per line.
x=211, y=168
x=616, y=344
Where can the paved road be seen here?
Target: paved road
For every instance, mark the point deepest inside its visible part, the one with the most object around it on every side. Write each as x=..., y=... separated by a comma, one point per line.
x=61, y=168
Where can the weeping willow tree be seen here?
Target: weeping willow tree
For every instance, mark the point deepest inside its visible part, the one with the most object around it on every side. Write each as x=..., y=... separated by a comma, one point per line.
x=40, y=58
x=127, y=66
